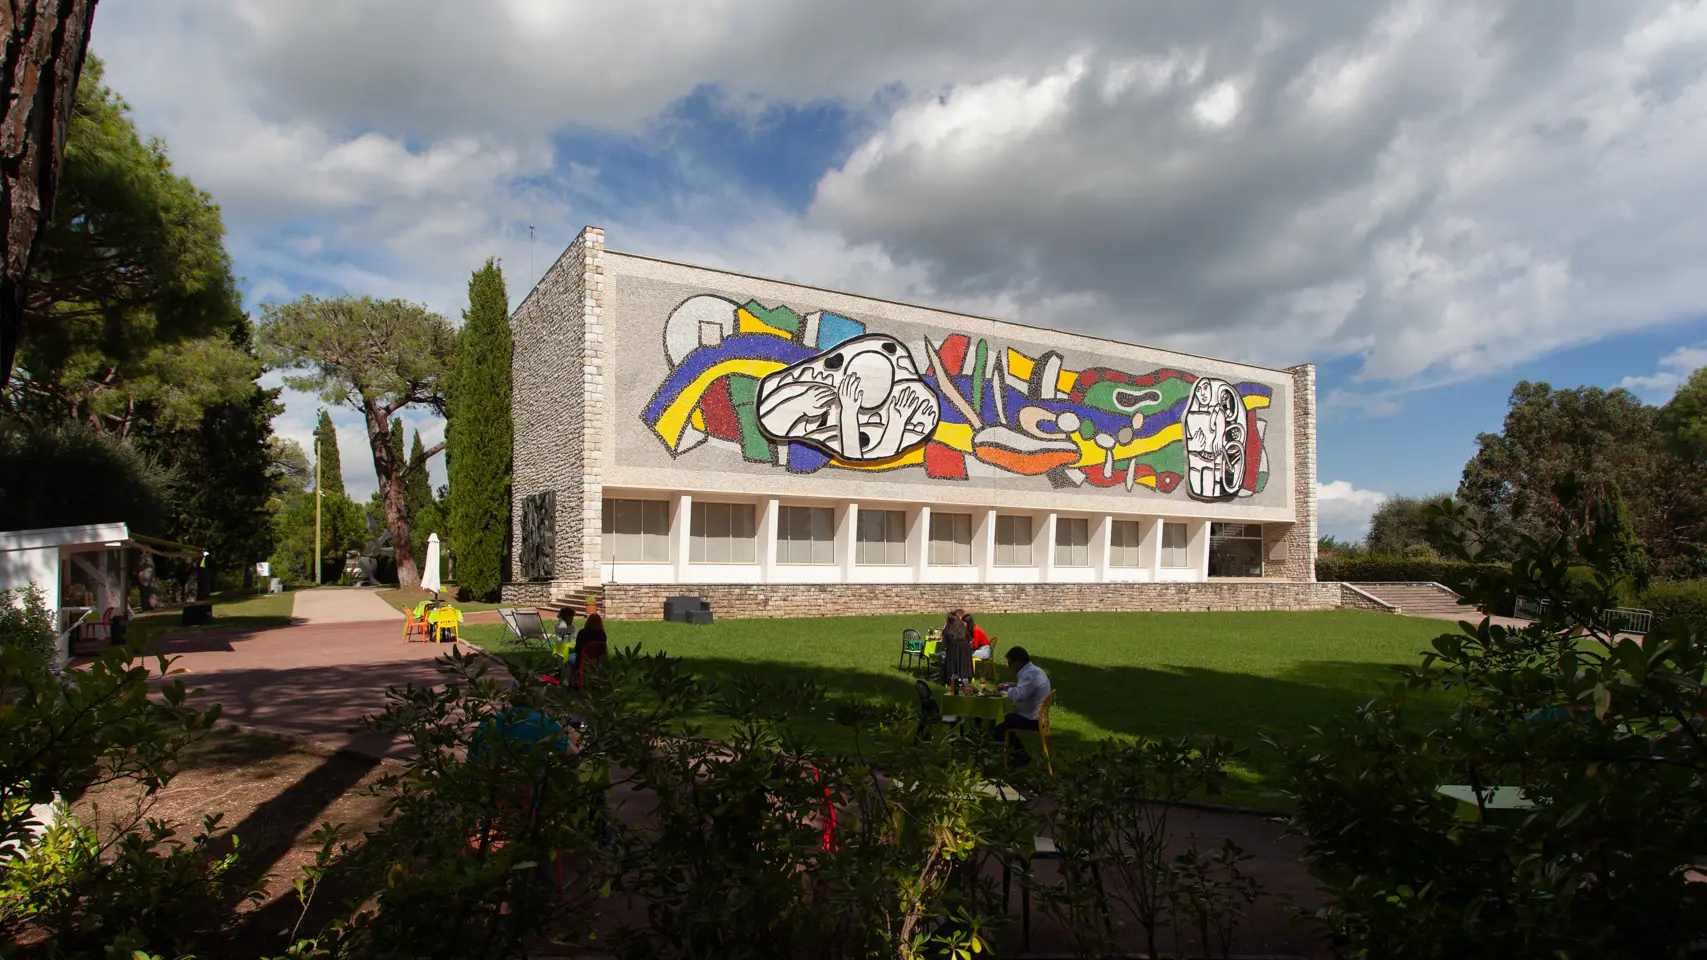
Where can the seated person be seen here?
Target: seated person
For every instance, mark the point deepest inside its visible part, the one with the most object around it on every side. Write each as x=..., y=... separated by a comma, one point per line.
x=980, y=640
x=565, y=623
x=1027, y=694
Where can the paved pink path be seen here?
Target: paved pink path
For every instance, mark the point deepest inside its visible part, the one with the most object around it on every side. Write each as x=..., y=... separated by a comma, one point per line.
x=314, y=681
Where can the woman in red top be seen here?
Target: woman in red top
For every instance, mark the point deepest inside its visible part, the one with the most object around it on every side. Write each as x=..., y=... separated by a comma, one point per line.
x=980, y=639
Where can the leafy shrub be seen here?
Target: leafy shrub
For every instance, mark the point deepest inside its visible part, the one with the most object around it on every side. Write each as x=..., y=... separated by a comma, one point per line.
x=73, y=474
x=1387, y=569
x=72, y=891
x=1681, y=600
x=1601, y=735
x=26, y=625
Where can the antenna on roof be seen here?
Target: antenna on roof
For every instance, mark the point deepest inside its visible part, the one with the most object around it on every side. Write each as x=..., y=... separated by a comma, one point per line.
x=531, y=277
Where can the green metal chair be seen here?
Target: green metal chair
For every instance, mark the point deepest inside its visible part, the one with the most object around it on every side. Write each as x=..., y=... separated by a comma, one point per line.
x=912, y=647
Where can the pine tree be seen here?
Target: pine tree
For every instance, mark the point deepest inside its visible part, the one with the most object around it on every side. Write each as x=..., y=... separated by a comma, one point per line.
x=331, y=468
x=479, y=408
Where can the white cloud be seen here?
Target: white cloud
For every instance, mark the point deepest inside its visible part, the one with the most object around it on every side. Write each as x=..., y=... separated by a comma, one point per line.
x=1440, y=189
x=1343, y=511
x=1675, y=367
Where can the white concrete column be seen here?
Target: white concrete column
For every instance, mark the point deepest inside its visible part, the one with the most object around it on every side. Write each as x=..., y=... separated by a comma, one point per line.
x=1150, y=546
x=1045, y=538
x=766, y=536
x=681, y=537
x=984, y=543
x=919, y=544
x=1197, y=549
x=847, y=540
x=1102, y=534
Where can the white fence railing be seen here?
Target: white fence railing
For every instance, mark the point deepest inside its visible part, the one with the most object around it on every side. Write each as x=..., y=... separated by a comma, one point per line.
x=1616, y=619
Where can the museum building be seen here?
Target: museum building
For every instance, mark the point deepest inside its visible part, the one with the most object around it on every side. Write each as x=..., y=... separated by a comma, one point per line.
x=785, y=450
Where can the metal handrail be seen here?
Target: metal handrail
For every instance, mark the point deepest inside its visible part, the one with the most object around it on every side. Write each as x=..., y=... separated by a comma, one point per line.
x=1617, y=619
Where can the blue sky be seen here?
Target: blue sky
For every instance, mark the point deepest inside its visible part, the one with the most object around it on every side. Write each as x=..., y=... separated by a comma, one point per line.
x=1429, y=201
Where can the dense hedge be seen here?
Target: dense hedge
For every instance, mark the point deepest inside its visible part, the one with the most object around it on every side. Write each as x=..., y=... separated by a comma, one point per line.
x=1391, y=570
x=1680, y=598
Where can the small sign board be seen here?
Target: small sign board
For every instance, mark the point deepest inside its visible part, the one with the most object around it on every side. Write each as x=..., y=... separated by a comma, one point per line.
x=263, y=569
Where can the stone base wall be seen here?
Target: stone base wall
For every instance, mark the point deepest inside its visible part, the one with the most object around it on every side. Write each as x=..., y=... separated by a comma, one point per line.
x=527, y=594
x=1352, y=598
x=741, y=601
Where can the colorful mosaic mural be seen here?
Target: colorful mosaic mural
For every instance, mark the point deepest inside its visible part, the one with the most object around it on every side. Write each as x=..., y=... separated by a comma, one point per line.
x=819, y=391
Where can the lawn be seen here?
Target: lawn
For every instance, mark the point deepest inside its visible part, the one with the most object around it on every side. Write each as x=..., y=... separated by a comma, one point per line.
x=231, y=609
x=1238, y=675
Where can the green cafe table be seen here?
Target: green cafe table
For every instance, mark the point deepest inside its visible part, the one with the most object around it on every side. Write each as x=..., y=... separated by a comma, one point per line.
x=1500, y=802
x=992, y=707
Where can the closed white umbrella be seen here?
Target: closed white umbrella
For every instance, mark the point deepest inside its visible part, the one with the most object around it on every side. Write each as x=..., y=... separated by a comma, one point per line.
x=430, y=576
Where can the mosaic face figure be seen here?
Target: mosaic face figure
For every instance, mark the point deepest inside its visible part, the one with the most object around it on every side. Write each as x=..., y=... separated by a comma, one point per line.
x=1215, y=439
x=861, y=401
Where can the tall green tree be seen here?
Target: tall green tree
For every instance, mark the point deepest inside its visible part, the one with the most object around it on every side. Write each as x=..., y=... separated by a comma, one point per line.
x=1588, y=439
x=132, y=297
x=1683, y=420
x=226, y=462
x=326, y=445
x=480, y=428
x=1400, y=527
x=376, y=357
x=40, y=64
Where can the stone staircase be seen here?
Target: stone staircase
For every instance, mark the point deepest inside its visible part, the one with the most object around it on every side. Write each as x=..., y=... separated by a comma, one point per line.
x=576, y=599
x=1420, y=599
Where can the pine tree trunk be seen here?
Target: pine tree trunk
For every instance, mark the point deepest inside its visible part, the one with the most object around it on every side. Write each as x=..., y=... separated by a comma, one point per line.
x=391, y=493
x=45, y=41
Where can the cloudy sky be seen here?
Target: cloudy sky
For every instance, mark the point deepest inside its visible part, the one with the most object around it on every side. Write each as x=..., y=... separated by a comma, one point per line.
x=1429, y=200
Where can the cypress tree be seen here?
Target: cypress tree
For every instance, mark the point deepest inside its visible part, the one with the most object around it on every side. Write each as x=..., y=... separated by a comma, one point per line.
x=418, y=489
x=331, y=468
x=479, y=408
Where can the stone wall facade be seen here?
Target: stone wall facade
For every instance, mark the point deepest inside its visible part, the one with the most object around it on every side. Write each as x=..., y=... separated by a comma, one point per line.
x=741, y=601
x=1299, y=542
x=551, y=374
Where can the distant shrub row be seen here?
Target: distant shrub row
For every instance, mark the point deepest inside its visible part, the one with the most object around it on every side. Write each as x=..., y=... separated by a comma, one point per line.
x=1392, y=570
x=1685, y=599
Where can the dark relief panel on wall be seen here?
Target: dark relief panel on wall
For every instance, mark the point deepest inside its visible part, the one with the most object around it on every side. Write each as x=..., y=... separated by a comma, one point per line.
x=539, y=535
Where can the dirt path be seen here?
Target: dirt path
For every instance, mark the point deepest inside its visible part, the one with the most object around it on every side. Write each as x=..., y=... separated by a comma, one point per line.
x=314, y=681
x=341, y=605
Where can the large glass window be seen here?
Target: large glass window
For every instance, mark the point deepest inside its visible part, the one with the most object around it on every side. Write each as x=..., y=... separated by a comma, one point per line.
x=883, y=538
x=1013, y=541
x=1123, y=544
x=1235, y=549
x=806, y=535
x=723, y=533
x=637, y=531
x=951, y=539
x=1072, y=542
x=1173, y=546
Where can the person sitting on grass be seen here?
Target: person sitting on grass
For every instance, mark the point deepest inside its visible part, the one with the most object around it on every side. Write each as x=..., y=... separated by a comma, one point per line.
x=1027, y=694
x=980, y=639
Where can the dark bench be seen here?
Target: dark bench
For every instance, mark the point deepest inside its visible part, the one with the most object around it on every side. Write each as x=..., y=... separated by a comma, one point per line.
x=198, y=614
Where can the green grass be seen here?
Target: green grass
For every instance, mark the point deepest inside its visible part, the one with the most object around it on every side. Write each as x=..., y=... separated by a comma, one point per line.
x=231, y=610
x=1237, y=675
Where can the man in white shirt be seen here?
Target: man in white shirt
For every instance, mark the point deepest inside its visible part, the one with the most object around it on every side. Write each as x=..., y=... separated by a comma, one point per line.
x=1027, y=695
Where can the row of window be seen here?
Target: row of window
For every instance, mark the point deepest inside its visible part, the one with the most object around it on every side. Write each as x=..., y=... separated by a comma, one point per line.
x=638, y=531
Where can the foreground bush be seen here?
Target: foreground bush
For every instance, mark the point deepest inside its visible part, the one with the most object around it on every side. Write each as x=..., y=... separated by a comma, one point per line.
x=1603, y=736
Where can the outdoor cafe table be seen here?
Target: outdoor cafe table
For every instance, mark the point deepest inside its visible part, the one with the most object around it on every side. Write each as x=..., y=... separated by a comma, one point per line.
x=992, y=707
